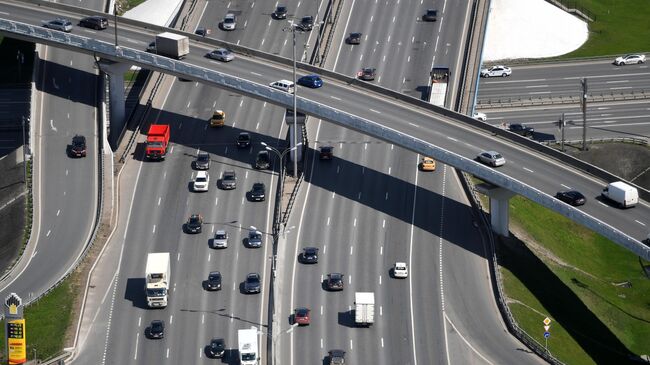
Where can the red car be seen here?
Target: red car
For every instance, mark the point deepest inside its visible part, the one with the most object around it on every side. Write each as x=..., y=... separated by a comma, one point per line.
x=301, y=316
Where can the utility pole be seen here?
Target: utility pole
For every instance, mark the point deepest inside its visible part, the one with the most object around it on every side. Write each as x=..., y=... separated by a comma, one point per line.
x=561, y=125
x=116, y=7
x=584, y=113
x=24, y=154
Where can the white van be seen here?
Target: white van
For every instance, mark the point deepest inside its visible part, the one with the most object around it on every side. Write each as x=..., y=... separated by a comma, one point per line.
x=284, y=85
x=622, y=194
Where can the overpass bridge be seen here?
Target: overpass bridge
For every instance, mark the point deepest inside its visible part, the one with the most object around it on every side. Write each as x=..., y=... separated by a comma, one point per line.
x=533, y=170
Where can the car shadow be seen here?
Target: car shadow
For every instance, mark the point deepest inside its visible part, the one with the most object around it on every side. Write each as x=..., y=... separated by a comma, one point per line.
x=346, y=318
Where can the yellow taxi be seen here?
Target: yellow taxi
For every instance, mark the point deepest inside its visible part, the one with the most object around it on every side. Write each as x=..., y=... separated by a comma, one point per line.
x=218, y=119
x=427, y=164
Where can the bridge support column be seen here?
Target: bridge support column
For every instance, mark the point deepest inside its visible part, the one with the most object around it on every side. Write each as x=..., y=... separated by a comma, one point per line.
x=295, y=155
x=499, y=209
x=117, y=107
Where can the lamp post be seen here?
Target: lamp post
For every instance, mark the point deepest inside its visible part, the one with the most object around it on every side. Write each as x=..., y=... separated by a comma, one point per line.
x=116, y=7
x=293, y=28
x=275, y=337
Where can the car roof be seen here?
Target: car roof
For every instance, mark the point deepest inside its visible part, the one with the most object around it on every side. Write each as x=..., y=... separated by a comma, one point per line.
x=258, y=184
x=214, y=273
x=252, y=275
x=335, y=275
x=400, y=264
x=220, y=231
x=337, y=352
x=202, y=174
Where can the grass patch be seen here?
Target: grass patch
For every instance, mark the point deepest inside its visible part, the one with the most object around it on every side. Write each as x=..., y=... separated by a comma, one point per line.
x=568, y=273
x=46, y=322
x=617, y=28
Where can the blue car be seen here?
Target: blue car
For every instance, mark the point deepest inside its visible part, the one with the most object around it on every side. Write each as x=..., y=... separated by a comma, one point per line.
x=312, y=81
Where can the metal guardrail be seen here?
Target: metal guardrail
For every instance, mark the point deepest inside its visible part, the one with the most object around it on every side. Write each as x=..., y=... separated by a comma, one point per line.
x=639, y=141
x=562, y=99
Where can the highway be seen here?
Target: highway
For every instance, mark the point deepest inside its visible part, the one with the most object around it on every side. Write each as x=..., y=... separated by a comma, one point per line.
x=370, y=207
x=563, y=79
x=65, y=189
x=538, y=171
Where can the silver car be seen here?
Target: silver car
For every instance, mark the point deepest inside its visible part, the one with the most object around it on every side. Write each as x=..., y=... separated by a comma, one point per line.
x=229, y=22
x=221, y=54
x=61, y=24
x=220, y=239
x=491, y=158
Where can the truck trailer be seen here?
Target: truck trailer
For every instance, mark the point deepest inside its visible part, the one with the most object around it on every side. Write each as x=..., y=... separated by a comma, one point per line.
x=364, y=308
x=157, y=272
x=157, y=141
x=172, y=45
x=247, y=340
x=439, y=77
x=624, y=195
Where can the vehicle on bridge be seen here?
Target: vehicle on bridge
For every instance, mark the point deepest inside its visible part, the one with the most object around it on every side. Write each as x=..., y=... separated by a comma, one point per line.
x=216, y=348
x=172, y=45
x=221, y=54
x=439, y=77
x=157, y=278
x=491, y=158
x=624, y=195
x=247, y=341
x=201, y=181
x=427, y=164
x=280, y=12
x=95, y=22
x=521, y=129
x=157, y=141
x=367, y=73
x=229, y=180
x=571, y=197
x=61, y=24
x=156, y=329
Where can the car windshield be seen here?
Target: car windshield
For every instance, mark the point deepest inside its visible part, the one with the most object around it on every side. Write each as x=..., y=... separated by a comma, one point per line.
x=203, y=158
x=497, y=156
x=248, y=356
x=214, y=276
x=229, y=20
x=255, y=236
x=229, y=177
x=220, y=236
x=194, y=220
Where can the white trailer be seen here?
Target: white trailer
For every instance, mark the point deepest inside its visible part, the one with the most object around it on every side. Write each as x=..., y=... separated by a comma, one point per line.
x=172, y=45
x=438, y=86
x=247, y=340
x=364, y=308
x=621, y=193
x=157, y=277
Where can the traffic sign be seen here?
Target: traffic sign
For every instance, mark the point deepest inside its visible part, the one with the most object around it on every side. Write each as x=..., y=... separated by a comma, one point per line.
x=547, y=321
x=546, y=328
x=547, y=334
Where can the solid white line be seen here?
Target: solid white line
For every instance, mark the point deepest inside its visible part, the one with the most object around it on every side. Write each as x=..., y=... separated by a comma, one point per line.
x=527, y=169
x=415, y=199
x=567, y=187
x=463, y=338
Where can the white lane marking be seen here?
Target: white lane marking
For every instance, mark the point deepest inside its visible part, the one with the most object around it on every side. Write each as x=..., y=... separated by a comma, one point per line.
x=256, y=74
x=209, y=257
x=321, y=310
x=48, y=233
x=527, y=169
x=641, y=223
x=52, y=125
x=381, y=310
x=58, y=212
x=168, y=352
x=321, y=343
x=154, y=229
x=333, y=193
x=216, y=201
x=382, y=342
x=381, y=250
x=386, y=196
x=159, y=199
x=328, y=221
x=566, y=187
x=324, y=251
x=351, y=250
x=383, y=224
x=413, y=124
x=359, y=197
x=463, y=338
x=171, y=150
x=139, y=321
x=137, y=339
x=617, y=81
x=379, y=279
x=389, y=170
x=350, y=279
x=351, y=347
x=188, y=104
x=334, y=97
x=453, y=139
x=355, y=222
x=375, y=111
x=203, y=318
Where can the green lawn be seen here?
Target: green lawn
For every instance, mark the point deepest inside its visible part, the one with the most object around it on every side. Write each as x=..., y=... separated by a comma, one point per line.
x=46, y=322
x=573, y=282
x=620, y=26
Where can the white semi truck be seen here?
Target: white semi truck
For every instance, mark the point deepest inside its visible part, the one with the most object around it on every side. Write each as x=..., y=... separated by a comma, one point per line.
x=364, y=308
x=172, y=45
x=247, y=340
x=439, y=77
x=157, y=277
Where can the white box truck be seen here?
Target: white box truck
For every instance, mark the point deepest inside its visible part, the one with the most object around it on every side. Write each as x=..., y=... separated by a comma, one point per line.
x=158, y=276
x=364, y=308
x=439, y=77
x=172, y=45
x=621, y=193
x=247, y=340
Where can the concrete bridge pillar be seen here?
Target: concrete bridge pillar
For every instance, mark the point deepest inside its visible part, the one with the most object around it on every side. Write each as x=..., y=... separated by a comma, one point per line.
x=499, y=209
x=117, y=107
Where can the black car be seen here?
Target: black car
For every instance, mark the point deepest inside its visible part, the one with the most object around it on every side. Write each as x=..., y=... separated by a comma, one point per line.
x=252, y=283
x=337, y=357
x=243, y=140
x=521, y=129
x=157, y=329
x=353, y=38
x=280, y=12
x=202, y=161
x=216, y=348
x=306, y=23
x=214, y=281
x=95, y=22
x=194, y=224
x=326, y=153
x=367, y=73
x=431, y=15
x=78, y=147
x=263, y=160
x=254, y=238
x=571, y=197
x=310, y=255
x=229, y=180
x=334, y=281
x=258, y=192
x=202, y=31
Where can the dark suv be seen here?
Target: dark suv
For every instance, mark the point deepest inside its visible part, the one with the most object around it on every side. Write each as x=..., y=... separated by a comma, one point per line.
x=326, y=153
x=431, y=15
x=310, y=255
x=280, y=12
x=94, y=22
x=521, y=129
x=202, y=161
x=157, y=329
x=243, y=140
x=78, y=147
x=258, y=192
x=214, y=281
x=194, y=224
x=216, y=348
x=229, y=180
x=334, y=281
x=252, y=284
x=306, y=23
x=353, y=38
x=263, y=160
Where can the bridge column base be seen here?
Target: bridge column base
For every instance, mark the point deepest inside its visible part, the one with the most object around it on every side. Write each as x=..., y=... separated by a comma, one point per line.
x=499, y=208
x=117, y=107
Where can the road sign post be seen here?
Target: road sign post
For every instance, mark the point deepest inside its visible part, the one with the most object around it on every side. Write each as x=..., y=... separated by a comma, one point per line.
x=547, y=334
x=15, y=330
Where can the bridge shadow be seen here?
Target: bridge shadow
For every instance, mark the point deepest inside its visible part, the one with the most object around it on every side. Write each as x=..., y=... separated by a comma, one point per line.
x=69, y=83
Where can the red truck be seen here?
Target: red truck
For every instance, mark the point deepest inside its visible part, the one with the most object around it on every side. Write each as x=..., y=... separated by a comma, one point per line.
x=157, y=141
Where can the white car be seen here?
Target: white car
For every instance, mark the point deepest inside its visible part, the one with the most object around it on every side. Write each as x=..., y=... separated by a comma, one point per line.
x=221, y=54
x=220, y=239
x=496, y=71
x=630, y=59
x=229, y=22
x=400, y=270
x=480, y=116
x=284, y=85
x=492, y=158
x=201, y=181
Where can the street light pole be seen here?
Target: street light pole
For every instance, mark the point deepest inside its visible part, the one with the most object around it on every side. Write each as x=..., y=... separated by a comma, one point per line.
x=295, y=102
x=115, y=9
x=275, y=337
x=24, y=154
